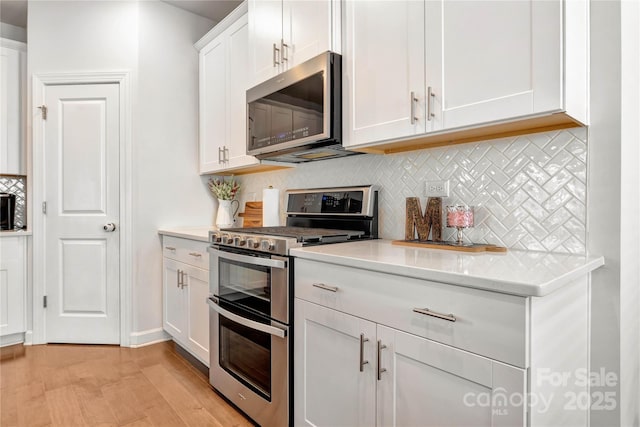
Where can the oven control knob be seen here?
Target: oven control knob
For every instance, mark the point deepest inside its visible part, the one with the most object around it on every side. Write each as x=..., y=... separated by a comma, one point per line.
x=215, y=238
x=268, y=245
x=226, y=239
x=253, y=244
x=239, y=241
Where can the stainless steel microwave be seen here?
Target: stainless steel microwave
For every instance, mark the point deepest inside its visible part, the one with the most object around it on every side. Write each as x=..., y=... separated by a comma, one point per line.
x=296, y=116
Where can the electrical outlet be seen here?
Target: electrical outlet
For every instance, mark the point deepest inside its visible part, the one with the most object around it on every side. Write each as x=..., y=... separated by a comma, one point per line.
x=437, y=188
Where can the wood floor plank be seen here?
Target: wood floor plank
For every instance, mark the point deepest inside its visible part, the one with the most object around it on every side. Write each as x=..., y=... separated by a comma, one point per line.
x=144, y=422
x=94, y=406
x=183, y=402
x=107, y=386
x=32, y=405
x=215, y=405
x=8, y=408
x=123, y=402
x=64, y=407
x=158, y=411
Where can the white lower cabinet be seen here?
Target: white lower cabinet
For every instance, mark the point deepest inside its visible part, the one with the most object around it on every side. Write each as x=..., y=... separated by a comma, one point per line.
x=354, y=372
x=13, y=286
x=378, y=349
x=185, y=292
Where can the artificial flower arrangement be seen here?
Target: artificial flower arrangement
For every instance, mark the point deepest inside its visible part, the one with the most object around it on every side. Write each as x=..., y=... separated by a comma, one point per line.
x=224, y=190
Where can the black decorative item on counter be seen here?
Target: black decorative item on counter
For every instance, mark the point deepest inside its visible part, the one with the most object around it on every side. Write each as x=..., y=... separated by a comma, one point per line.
x=7, y=211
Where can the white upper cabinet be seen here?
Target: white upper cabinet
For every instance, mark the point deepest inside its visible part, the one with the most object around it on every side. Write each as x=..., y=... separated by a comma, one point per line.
x=383, y=65
x=285, y=33
x=12, y=95
x=223, y=85
x=493, y=60
x=456, y=70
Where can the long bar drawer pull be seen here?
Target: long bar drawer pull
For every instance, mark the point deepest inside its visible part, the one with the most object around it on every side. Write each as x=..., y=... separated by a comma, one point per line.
x=170, y=248
x=427, y=312
x=325, y=287
x=195, y=254
x=362, y=361
x=380, y=368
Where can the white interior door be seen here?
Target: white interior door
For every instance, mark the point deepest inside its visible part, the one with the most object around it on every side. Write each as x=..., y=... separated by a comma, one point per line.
x=81, y=142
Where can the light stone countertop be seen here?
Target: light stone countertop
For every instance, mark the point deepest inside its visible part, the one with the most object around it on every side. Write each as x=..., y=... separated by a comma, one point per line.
x=514, y=272
x=200, y=233
x=15, y=233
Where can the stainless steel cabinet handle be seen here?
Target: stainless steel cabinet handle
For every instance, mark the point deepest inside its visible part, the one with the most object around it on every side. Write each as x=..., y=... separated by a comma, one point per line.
x=275, y=61
x=195, y=254
x=183, y=284
x=325, y=287
x=220, y=155
x=179, y=278
x=226, y=154
x=427, y=312
x=430, y=97
x=414, y=119
x=283, y=47
x=170, y=248
x=362, y=361
x=380, y=368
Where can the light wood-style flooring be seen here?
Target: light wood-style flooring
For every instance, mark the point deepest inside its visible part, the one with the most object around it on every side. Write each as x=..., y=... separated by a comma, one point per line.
x=78, y=385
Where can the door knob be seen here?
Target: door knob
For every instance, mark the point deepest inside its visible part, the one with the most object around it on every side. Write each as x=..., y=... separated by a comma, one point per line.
x=109, y=227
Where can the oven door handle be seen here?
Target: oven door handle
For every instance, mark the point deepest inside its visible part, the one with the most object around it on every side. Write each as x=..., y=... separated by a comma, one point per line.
x=273, y=330
x=265, y=262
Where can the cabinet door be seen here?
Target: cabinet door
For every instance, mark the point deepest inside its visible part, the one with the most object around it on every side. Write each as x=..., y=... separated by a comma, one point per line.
x=174, y=301
x=431, y=384
x=213, y=104
x=306, y=29
x=196, y=286
x=493, y=60
x=265, y=30
x=383, y=64
x=12, y=285
x=237, y=61
x=12, y=71
x=330, y=389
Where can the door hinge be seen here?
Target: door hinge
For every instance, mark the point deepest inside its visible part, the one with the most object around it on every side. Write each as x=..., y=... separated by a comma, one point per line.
x=43, y=108
x=44, y=301
x=44, y=207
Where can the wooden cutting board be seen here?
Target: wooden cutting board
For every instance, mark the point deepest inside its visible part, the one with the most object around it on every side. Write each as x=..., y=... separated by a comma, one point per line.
x=449, y=246
x=252, y=215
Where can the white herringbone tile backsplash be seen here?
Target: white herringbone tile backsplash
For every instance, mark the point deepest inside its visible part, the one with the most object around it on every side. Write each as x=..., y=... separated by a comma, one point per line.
x=529, y=191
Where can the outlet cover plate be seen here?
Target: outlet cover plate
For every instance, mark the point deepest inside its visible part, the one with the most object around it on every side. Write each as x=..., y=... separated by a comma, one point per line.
x=437, y=188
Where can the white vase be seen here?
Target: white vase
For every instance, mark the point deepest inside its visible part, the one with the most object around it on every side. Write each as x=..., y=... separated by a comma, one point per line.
x=226, y=216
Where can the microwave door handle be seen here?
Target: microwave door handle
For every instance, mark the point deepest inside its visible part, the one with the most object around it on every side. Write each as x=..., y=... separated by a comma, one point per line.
x=265, y=262
x=272, y=330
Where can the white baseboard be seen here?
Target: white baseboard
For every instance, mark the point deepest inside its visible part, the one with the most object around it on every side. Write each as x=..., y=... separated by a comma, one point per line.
x=148, y=337
x=28, y=338
x=12, y=339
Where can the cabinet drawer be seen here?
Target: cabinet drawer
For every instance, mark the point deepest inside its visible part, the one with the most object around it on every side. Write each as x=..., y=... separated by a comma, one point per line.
x=190, y=252
x=487, y=323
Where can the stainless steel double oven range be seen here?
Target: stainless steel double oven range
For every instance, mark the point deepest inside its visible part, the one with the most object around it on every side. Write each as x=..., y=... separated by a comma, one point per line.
x=252, y=291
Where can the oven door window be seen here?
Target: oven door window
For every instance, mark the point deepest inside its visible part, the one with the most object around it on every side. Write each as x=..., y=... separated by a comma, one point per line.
x=245, y=285
x=246, y=354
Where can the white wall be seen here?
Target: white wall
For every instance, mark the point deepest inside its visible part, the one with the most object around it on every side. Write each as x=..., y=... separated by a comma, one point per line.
x=167, y=189
x=614, y=205
x=154, y=42
x=630, y=206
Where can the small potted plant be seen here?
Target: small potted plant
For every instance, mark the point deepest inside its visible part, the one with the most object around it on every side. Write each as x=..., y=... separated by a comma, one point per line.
x=225, y=191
